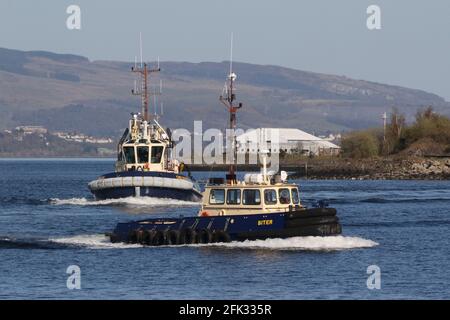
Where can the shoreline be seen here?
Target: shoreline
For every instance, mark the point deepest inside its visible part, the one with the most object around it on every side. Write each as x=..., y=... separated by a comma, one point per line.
x=390, y=168
x=57, y=158
x=379, y=169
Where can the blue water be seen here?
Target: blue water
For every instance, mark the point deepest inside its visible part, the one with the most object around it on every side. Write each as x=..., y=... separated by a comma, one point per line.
x=49, y=221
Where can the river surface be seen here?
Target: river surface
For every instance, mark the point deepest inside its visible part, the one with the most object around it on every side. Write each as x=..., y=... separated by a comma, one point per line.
x=49, y=221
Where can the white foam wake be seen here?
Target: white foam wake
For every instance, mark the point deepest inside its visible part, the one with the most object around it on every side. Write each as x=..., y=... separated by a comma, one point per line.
x=333, y=243
x=330, y=243
x=134, y=201
x=94, y=241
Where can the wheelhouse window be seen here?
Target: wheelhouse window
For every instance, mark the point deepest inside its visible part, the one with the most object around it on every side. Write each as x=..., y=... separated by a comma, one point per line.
x=217, y=196
x=295, y=198
x=142, y=154
x=129, y=155
x=270, y=196
x=157, y=152
x=285, y=196
x=233, y=196
x=251, y=197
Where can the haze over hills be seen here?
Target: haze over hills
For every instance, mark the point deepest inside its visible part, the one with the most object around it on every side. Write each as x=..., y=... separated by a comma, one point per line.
x=71, y=93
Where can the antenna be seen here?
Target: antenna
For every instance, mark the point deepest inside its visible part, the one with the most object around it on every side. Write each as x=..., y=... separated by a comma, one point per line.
x=231, y=54
x=140, y=45
x=227, y=98
x=143, y=71
x=384, y=117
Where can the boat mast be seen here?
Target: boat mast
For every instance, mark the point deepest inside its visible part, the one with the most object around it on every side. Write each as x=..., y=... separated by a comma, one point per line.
x=227, y=98
x=144, y=72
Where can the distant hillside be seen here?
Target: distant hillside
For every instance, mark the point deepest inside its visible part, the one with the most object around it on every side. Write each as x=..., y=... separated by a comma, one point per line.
x=15, y=144
x=70, y=93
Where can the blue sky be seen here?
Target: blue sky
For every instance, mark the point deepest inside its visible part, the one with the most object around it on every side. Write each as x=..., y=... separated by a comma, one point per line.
x=412, y=49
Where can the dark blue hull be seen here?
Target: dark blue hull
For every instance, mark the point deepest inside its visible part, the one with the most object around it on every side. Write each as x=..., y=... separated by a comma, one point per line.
x=302, y=222
x=123, y=192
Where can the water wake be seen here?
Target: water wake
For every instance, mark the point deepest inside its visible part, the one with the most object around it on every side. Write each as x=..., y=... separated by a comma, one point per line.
x=13, y=243
x=130, y=201
x=331, y=243
x=94, y=241
x=296, y=243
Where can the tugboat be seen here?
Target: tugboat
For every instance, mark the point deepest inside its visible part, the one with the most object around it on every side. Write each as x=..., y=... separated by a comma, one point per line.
x=263, y=205
x=145, y=166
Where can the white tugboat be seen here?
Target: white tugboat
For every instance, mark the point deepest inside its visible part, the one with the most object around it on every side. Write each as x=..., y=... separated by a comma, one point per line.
x=145, y=166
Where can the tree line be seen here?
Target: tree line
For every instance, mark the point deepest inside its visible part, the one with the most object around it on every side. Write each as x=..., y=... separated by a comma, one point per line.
x=429, y=134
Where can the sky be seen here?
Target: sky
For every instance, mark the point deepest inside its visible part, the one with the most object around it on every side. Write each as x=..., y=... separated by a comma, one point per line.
x=412, y=48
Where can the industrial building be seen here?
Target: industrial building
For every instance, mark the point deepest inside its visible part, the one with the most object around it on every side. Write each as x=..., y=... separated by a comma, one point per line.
x=284, y=140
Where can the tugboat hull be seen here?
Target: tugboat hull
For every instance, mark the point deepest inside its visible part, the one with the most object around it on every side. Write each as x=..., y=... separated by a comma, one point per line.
x=144, y=184
x=124, y=192
x=189, y=230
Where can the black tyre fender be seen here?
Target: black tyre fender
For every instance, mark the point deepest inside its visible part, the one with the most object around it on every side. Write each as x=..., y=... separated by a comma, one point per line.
x=158, y=238
x=140, y=235
x=133, y=236
x=172, y=237
x=113, y=238
x=188, y=236
x=221, y=236
x=147, y=237
x=300, y=222
x=204, y=236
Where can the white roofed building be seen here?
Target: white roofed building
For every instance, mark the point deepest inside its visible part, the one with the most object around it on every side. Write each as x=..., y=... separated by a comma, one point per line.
x=284, y=140
x=32, y=130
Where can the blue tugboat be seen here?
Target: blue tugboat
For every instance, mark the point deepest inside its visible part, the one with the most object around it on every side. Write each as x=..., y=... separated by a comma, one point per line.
x=145, y=166
x=236, y=211
x=261, y=206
